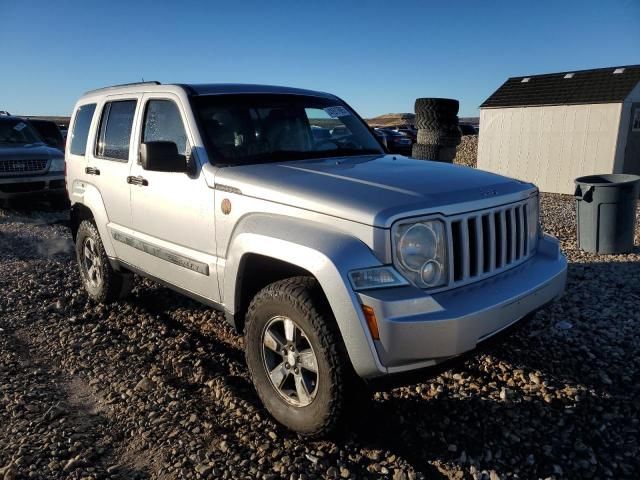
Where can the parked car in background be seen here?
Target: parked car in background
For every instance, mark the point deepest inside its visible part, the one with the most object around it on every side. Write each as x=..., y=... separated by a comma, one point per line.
x=49, y=132
x=412, y=133
x=396, y=142
x=467, y=129
x=336, y=261
x=27, y=165
x=63, y=130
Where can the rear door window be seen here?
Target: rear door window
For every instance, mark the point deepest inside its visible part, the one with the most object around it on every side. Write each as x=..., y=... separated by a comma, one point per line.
x=81, y=126
x=115, y=130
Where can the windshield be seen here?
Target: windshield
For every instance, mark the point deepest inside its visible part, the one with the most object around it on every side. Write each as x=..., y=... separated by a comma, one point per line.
x=244, y=129
x=14, y=131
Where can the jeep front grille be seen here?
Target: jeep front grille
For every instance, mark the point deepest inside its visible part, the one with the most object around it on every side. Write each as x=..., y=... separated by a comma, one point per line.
x=486, y=242
x=31, y=165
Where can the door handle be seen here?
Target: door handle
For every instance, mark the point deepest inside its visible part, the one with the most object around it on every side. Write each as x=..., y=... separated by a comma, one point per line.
x=91, y=171
x=137, y=181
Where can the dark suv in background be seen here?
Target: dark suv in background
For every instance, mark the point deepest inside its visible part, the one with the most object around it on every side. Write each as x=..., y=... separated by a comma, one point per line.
x=27, y=164
x=49, y=132
x=395, y=141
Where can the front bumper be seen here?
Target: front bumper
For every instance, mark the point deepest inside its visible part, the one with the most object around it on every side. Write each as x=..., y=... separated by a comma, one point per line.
x=50, y=183
x=418, y=330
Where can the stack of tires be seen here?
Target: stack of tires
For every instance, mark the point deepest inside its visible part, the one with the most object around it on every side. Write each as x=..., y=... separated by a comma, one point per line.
x=438, y=132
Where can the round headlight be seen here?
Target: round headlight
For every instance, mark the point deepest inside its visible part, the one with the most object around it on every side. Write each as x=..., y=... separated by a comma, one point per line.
x=417, y=245
x=421, y=253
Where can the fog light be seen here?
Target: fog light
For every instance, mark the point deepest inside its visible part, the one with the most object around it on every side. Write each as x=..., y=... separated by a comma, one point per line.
x=430, y=273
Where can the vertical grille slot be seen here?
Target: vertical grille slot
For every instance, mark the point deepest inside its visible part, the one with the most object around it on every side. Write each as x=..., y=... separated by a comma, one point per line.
x=510, y=236
x=475, y=246
x=499, y=239
x=526, y=229
x=456, y=238
x=488, y=251
x=519, y=233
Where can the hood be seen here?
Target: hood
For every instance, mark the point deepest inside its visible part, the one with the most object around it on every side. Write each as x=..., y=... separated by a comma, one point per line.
x=29, y=151
x=374, y=190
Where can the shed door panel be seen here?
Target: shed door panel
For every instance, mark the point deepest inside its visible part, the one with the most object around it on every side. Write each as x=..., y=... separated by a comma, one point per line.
x=632, y=152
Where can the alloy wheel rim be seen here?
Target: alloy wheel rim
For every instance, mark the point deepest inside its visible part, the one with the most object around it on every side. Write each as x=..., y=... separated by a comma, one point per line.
x=91, y=263
x=290, y=361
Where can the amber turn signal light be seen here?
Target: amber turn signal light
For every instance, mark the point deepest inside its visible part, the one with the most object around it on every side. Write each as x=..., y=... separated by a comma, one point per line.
x=372, y=323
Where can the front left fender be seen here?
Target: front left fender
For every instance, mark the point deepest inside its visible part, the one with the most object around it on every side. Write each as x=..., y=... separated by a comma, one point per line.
x=328, y=254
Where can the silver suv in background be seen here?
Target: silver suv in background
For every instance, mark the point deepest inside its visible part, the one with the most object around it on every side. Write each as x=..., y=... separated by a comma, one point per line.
x=338, y=263
x=27, y=165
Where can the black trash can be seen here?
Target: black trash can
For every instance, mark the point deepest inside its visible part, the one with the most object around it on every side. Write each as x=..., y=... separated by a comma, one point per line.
x=606, y=212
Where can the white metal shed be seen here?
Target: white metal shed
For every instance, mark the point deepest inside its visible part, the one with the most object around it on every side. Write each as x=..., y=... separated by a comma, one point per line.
x=550, y=129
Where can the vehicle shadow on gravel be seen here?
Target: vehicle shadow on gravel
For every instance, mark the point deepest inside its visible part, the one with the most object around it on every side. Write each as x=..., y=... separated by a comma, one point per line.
x=558, y=397
x=28, y=205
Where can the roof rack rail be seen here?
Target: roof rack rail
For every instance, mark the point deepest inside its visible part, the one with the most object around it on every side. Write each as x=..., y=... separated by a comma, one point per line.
x=152, y=82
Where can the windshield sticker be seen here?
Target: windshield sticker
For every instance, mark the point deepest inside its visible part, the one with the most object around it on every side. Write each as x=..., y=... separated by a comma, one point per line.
x=337, y=111
x=20, y=126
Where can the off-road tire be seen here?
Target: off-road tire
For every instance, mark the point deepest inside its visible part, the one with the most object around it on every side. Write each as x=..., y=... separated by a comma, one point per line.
x=302, y=300
x=114, y=285
x=434, y=121
x=446, y=106
x=425, y=152
x=444, y=138
x=447, y=154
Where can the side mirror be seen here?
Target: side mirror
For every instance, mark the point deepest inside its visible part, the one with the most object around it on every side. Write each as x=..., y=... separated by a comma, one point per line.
x=162, y=157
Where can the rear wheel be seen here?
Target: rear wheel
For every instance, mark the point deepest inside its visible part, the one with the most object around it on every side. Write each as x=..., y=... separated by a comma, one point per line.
x=101, y=281
x=296, y=357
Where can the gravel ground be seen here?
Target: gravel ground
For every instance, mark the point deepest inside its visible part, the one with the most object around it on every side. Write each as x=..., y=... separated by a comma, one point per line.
x=467, y=151
x=156, y=386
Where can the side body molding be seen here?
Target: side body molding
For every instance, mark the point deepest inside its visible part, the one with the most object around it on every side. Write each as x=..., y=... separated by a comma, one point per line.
x=328, y=254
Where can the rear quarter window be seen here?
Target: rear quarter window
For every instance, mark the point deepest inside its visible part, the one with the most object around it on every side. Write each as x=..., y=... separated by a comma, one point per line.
x=81, y=124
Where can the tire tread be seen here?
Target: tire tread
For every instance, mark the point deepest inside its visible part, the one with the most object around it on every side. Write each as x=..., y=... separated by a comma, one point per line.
x=305, y=294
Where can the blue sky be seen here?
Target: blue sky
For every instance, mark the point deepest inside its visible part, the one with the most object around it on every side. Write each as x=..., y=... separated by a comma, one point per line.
x=377, y=55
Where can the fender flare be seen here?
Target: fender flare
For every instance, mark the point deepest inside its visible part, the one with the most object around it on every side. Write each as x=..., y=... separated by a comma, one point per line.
x=89, y=196
x=328, y=254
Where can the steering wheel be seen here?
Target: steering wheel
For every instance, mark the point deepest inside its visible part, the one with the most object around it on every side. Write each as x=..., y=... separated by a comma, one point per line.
x=327, y=145
x=346, y=142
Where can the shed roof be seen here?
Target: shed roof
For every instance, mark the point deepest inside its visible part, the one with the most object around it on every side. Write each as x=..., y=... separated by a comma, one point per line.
x=599, y=85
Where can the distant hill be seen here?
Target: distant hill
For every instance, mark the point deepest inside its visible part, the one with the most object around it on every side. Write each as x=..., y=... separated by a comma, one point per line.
x=399, y=119
x=392, y=120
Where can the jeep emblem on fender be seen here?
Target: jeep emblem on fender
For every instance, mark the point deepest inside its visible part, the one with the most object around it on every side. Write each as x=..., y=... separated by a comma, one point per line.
x=226, y=206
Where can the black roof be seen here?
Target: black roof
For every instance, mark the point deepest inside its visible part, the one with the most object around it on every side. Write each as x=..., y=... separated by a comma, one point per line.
x=195, y=89
x=226, y=88
x=598, y=85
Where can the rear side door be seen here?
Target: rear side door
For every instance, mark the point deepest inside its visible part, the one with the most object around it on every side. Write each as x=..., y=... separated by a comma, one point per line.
x=173, y=212
x=109, y=163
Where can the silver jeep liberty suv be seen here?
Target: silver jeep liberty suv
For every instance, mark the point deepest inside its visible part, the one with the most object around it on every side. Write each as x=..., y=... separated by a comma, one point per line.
x=336, y=261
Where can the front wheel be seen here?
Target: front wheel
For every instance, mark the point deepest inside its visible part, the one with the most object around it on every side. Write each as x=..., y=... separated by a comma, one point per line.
x=296, y=357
